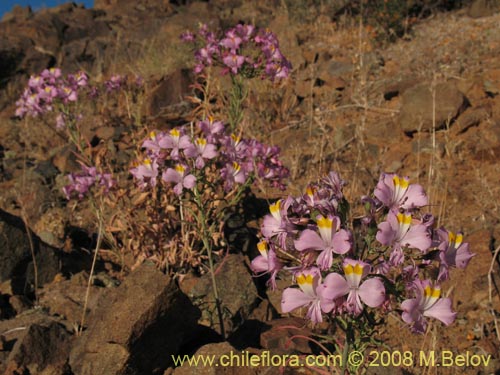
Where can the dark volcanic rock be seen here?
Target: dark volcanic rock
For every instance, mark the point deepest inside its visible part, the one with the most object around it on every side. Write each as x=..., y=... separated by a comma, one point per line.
x=15, y=256
x=136, y=327
x=237, y=293
x=40, y=348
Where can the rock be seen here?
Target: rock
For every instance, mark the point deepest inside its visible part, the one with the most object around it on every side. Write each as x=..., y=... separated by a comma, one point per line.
x=51, y=227
x=155, y=319
x=483, y=8
x=66, y=298
x=237, y=293
x=471, y=117
x=16, y=259
x=18, y=14
x=15, y=336
x=40, y=347
x=417, y=107
x=169, y=90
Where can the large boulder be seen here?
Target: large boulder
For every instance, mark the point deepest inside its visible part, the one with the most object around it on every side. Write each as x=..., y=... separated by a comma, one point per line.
x=135, y=328
x=424, y=107
x=16, y=261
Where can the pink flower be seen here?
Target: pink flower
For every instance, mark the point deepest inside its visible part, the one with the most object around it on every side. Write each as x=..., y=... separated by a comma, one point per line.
x=233, y=62
x=201, y=150
x=395, y=193
x=452, y=252
x=331, y=239
x=176, y=141
x=148, y=170
x=212, y=129
x=371, y=292
x=399, y=231
x=180, y=178
x=231, y=41
x=152, y=143
x=267, y=262
x=311, y=294
x=426, y=304
x=233, y=173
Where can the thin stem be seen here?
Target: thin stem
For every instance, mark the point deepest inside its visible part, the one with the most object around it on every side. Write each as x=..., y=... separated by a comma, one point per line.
x=207, y=244
x=92, y=269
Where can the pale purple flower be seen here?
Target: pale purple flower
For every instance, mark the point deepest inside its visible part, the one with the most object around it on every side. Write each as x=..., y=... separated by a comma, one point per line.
x=146, y=172
x=400, y=231
x=180, y=177
x=233, y=62
x=51, y=75
x=187, y=36
x=67, y=94
x=266, y=263
x=114, y=83
x=211, y=128
x=152, y=143
x=395, y=193
x=201, y=150
x=311, y=294
x=233, y=173
x=331, y=239
x=371, y=292
x=176, y=141
x=276, y=224
x=83, y=181
x=231, y=41
x=453, y=252
x=245, y=31
x=426, y=304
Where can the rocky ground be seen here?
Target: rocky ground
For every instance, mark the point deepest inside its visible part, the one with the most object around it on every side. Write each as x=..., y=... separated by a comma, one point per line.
x=426, y=106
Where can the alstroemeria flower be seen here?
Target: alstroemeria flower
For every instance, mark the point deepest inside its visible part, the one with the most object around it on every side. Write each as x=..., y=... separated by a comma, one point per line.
x=176, y=141
x=201, y=150
x=331, y=239
x=452, y=252
x=276, y=224
x=371, y=292
x=180, y=177
x=233, y=62
x=311, y=294
x=231, y=41
x=395, y=193
x=233, y=173
x=147, y=170
x=212, y=129
x=266, y=262
x=399, y=231
x=152, y=144
x=427, y=304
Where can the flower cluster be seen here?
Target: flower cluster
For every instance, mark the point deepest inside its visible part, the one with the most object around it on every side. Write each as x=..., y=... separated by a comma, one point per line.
x=391, y=267
x=47, y=88
x=241, y=50
x=81, y=183
x=180, y=155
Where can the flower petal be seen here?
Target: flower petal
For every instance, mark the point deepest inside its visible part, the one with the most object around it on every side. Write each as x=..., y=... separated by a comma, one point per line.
x=294, y=298
x=442, y=311
x=341, y=242
x=335, y=286
x=372, y=292
x=309, y=240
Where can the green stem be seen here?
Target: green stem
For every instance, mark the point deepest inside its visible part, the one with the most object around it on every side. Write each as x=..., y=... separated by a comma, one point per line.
x=237, y=97
x=94, y=261
x=207, y=244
